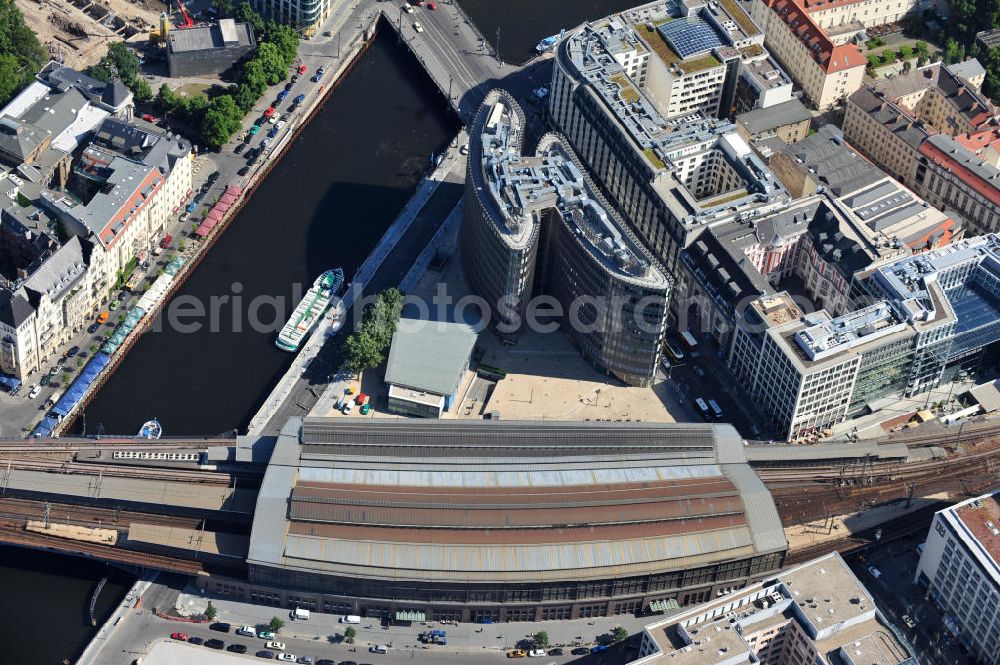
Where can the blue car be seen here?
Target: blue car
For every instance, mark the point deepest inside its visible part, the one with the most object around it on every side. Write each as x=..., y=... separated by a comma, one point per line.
x=299, y=99
x=282, y=95
x=273, y=132
x=191, y=206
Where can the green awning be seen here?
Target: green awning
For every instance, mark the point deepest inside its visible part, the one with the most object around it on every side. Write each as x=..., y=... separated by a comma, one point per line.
x=411, y=615
x=663, y=605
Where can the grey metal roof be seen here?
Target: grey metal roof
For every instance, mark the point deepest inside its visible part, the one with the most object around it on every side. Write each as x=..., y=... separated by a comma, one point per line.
x=115, y=94
x=789, y=454
x=58, y=272
x=138, y=490
x=209, y=37
x=835, y=164
x=772, y=117
x=762, y=515
x=14, y=307
x=430, y=355
x=988, y=395
x=445, y=455
x=968, y=69
x=20, y=138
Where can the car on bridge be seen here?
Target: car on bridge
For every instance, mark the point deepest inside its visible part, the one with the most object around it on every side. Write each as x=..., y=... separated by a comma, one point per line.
x=417, y=26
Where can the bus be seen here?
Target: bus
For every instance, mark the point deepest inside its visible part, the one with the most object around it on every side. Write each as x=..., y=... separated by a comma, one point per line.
x=673, y=351
x=716, y=409
x=700, y=403
x=689, y=341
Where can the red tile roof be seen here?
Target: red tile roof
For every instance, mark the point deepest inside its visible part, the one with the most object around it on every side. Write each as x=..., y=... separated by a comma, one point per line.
x=979, y=141
x=946, y=161
x=830, y=57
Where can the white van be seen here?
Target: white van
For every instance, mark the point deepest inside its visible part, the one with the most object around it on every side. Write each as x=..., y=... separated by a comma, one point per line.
x=350, y=618
x=248, y=631
x=379, y=648
x=300, y=614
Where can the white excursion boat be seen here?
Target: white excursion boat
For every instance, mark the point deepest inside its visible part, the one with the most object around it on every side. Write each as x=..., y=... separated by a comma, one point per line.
x=310, y=310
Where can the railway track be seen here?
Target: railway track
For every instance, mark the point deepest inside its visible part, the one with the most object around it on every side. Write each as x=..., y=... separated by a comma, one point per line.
x=64, y=513
x=125, y=471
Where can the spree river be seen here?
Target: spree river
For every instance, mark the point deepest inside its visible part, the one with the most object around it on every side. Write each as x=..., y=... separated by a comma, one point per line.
x=46, y=600
x=324, y=205
x=524, y=23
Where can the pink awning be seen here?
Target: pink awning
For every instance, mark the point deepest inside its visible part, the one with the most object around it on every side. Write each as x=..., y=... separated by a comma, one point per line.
x=234, y=189
x=204, y=228
x=222, y=207
x=228, y=199
x=214, y=215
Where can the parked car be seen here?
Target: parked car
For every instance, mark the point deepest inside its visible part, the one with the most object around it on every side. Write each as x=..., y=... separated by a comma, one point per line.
x=909, y=621
x=167, y=239
x=194, y=639
x=150, y=118
x=305, y=660
x=277, y=646
x=556, y=652
x=598, y=648
x=301, y=70
x=265, y=634
x=536, y=653
x=464, y=149
x=516, y=653
x=269, y=112
x=243, y=170
x=180, y=637
x=237, y=648
x=93, y=327
x=327, y=661
x=288, y=86
x=265, y=141
x=220, y=626
x=432, y=5
x=874, y=572
x=73, y=350
x=247, y=631
x=408, y=9
x=286, y=657
x=215, y=644
x=269, y=655
x=417, y=26
x=279, y=124
x=240, y=148
x=273, y=133
x=299, y=99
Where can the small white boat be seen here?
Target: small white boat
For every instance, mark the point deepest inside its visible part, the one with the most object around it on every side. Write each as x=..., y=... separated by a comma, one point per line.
x=151, y=429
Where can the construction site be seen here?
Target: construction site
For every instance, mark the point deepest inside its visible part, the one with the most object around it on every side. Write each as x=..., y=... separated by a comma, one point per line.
x=77, y=32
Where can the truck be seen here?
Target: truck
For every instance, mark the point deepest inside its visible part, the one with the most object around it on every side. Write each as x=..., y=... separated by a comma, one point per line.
x=300, y=614
x=433, y=637
x=350, y=618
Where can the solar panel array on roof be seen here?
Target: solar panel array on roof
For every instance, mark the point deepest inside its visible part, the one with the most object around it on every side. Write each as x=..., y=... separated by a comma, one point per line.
x=690, y=35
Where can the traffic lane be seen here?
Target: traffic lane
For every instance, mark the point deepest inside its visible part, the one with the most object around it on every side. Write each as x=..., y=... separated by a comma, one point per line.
x=330, y=646
x=718, y=383
x=897, y=595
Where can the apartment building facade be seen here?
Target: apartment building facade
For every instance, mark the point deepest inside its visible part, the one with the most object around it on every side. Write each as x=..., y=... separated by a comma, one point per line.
x=669, y=178
x=960, y=571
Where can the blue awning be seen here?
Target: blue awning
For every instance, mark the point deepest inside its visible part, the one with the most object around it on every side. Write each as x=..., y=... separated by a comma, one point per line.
x=45, y=427
x=9, y=382
x=79, y=387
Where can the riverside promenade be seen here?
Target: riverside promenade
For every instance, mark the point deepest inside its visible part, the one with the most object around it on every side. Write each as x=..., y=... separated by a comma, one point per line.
x=293, y=391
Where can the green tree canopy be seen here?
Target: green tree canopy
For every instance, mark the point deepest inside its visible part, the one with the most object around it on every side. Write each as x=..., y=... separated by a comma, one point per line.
x=619, y=634
x=21, y=54
x=271, y=62
x=276, y=624
x=221, y=120
x=362, y=351
x=246, y=14
x=224, y=7
x=541, y=638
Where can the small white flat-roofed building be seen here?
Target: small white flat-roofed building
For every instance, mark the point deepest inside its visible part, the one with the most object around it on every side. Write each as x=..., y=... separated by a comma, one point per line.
x=427, y=362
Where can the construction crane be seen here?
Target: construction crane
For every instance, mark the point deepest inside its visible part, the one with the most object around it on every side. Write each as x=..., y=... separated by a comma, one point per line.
x=188, y=21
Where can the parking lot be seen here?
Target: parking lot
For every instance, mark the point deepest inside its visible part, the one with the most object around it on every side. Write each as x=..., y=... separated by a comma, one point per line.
x=898, y=597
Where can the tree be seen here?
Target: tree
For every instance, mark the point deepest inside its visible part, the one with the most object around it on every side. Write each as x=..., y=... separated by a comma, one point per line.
x=271, y=62
x=166, y=100
x=873, y=62
x=350, y=633
x=123, y=62
x=362, y=351
x=920, y=47
x=220, y=121
x=246, y=14
x=210, y=612
x=276, y=624
x=888, y=56
x=905, y=52
x=142, y=91
x=285, y=39
x=619, y=634
x=224, y=7
x=22, y=54
x=907, y=66
x=10, y=77
x=244, y=96
x=541, y=639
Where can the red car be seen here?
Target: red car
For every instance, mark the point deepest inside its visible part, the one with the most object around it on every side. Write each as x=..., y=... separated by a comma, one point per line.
x=302, y=70
x=150, y=118
x=167, y=239
x=181, y=637
x=432, y=5
x=269, y=112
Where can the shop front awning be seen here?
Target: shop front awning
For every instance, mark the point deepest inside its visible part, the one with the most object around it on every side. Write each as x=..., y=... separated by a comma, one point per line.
x=411, y=615
x=663, y=605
